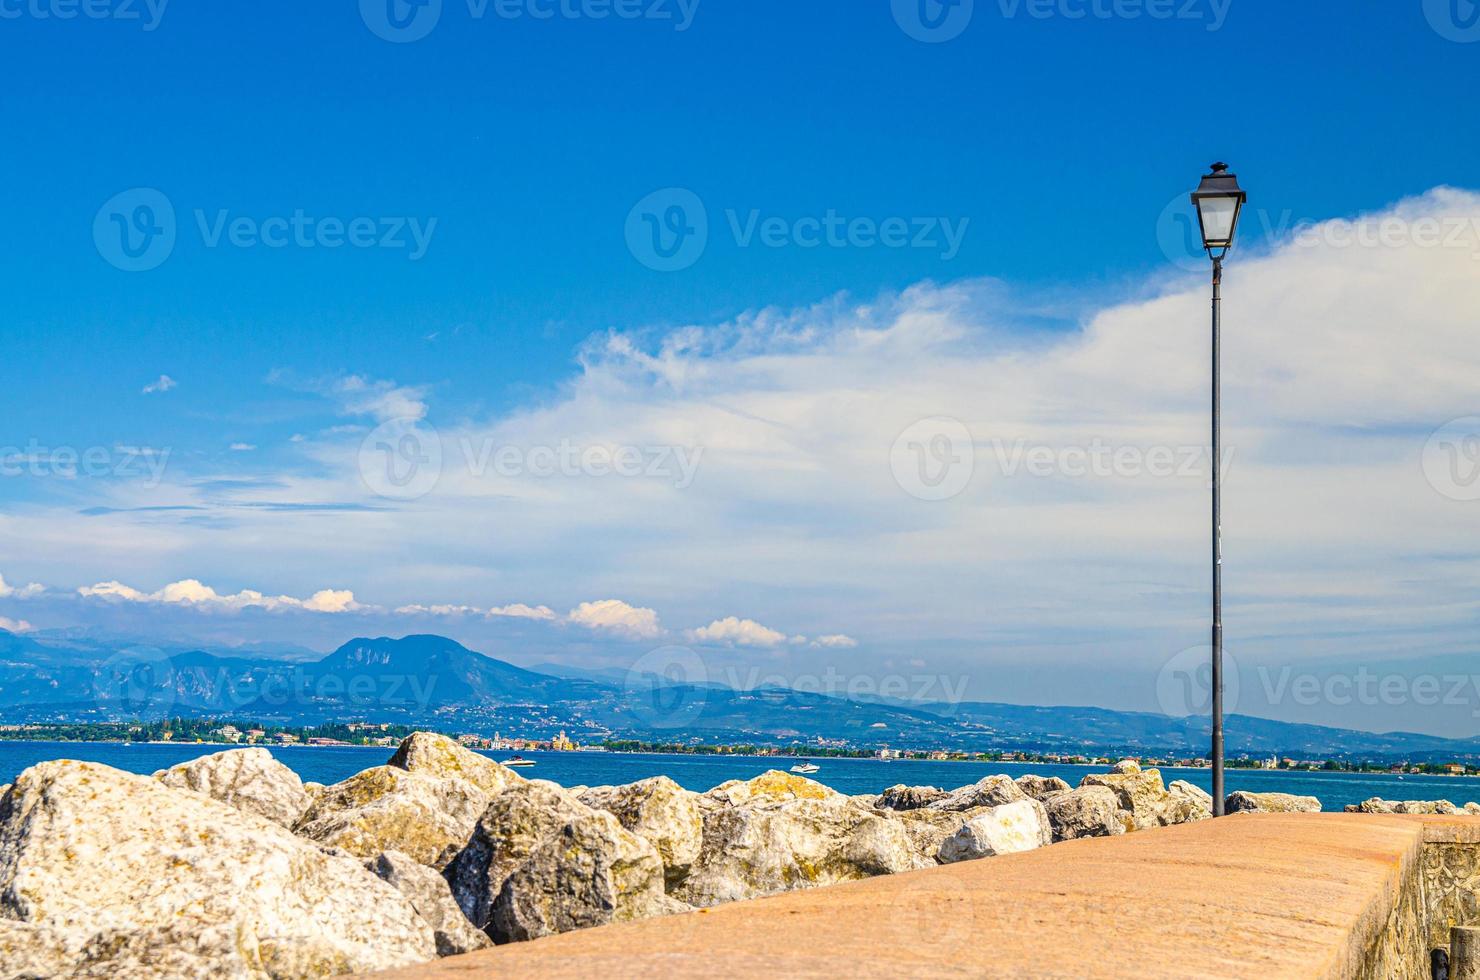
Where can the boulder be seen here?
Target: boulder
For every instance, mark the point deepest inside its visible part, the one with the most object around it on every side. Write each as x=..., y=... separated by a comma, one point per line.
x=1126, y=767
x=429, y=894
x=1041, y=788
x=116, y=874
x=429, y=754
x=541, y=862
x=1186, y=790
x=1472, y=808
x=904, y=797
x=768, y=846
x=1375, y=805
x=249, y=779
x=1005, y=829
x=1090, y=811
x=772, y=786
x=928, y=829
x=1140, y=793
x=1246, y=802
x=388, y=808
x=991, y=791
x=662, y=813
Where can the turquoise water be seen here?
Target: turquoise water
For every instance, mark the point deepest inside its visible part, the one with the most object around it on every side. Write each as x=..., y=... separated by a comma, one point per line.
x=332, y=763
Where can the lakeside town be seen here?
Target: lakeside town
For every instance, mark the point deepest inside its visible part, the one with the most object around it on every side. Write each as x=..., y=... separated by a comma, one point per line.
x=389, y=735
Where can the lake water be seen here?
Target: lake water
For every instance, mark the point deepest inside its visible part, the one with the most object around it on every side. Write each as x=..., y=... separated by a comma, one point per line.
x=329, y=764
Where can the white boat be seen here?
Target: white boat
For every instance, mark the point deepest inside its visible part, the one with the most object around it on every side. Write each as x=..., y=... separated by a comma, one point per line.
x=805, y=768
x=518, y=761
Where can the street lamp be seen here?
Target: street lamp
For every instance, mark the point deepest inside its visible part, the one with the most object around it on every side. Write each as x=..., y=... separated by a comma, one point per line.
x=1218, y=200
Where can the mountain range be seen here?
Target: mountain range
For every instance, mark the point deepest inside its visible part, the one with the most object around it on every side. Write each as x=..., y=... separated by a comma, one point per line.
x=434, y=681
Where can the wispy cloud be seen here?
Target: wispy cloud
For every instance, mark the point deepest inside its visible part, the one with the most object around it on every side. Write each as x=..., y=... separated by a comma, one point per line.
x=30, y=590
x=165, y=383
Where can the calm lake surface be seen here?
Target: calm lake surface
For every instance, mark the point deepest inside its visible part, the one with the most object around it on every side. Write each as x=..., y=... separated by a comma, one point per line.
x=332, y=763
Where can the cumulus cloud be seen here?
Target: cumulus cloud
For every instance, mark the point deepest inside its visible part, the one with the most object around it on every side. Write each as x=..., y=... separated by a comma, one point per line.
x=740, y=632
x=616, y=616
x=165, y=383
x=835, y=641
x=15, y=625
x=8, y=591
x=191, y=592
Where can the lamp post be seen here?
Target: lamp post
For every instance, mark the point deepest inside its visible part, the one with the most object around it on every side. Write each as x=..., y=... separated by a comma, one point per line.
x=1218, y=200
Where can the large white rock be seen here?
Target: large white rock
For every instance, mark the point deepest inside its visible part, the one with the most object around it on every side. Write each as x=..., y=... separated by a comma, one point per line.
x=389, y=809
x=1141, y=794
x=772, y=786
x=774, y=844
x=1246, y=802
x=541, y=862
x=1376, y=805
x=1090, y=811
x=118, y=875
x=991, y=791
x=662, y=813
x=928, y=829
x=429, y=894
x=1005, y=829
x=249, y=779
x=429, y=754
x=423, y=803
x=1041, y=788
x=902, y=797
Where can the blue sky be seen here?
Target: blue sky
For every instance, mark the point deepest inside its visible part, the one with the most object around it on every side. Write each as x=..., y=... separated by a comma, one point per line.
x=1034, y=156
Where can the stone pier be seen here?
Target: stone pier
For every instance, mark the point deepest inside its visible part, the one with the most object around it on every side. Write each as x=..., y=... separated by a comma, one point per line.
x=1250, y=895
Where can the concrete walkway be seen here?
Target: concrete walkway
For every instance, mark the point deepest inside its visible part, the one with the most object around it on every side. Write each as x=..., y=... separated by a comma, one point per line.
x=1277, y=895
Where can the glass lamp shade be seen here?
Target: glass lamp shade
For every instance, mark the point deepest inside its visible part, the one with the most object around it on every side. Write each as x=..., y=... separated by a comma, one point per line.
x=1219, y=199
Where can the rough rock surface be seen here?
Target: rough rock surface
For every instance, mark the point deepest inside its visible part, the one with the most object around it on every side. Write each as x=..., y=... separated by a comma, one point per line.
x=388, y=808
x=118, y=875
x=661, y=812
x=902, y=797
x=928, y=829
x=1126, y=767
x=541, y=862
x=775, y=842
x=1090, y=811
x=1005, y=829
x=991, y=791
x=249, y=779
x=1246, y=802
x=438, y=755
x=1041, y=788
x=1376, y=805
x=1140, y=793
x=429, y=894
x=1182, y=788
x=772, y=786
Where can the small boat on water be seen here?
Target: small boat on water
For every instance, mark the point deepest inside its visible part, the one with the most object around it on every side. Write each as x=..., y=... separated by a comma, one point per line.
x=518, y=761
x=805, y=768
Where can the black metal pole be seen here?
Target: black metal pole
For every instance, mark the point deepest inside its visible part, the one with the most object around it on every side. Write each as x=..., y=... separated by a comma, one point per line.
x=1217, y=463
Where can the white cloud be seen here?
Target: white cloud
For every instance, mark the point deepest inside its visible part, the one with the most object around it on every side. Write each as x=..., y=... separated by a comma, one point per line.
x=8, y=591
x=616, y=616
x=383, y=400
x=835, y=641
x=165, y=383
x=517, y=610
x=15, y=625
x=191, y=592
x=740, y=632
x=242, y=447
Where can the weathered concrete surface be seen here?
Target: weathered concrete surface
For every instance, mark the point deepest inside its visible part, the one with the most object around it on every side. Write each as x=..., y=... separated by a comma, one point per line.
x=1252, y=895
